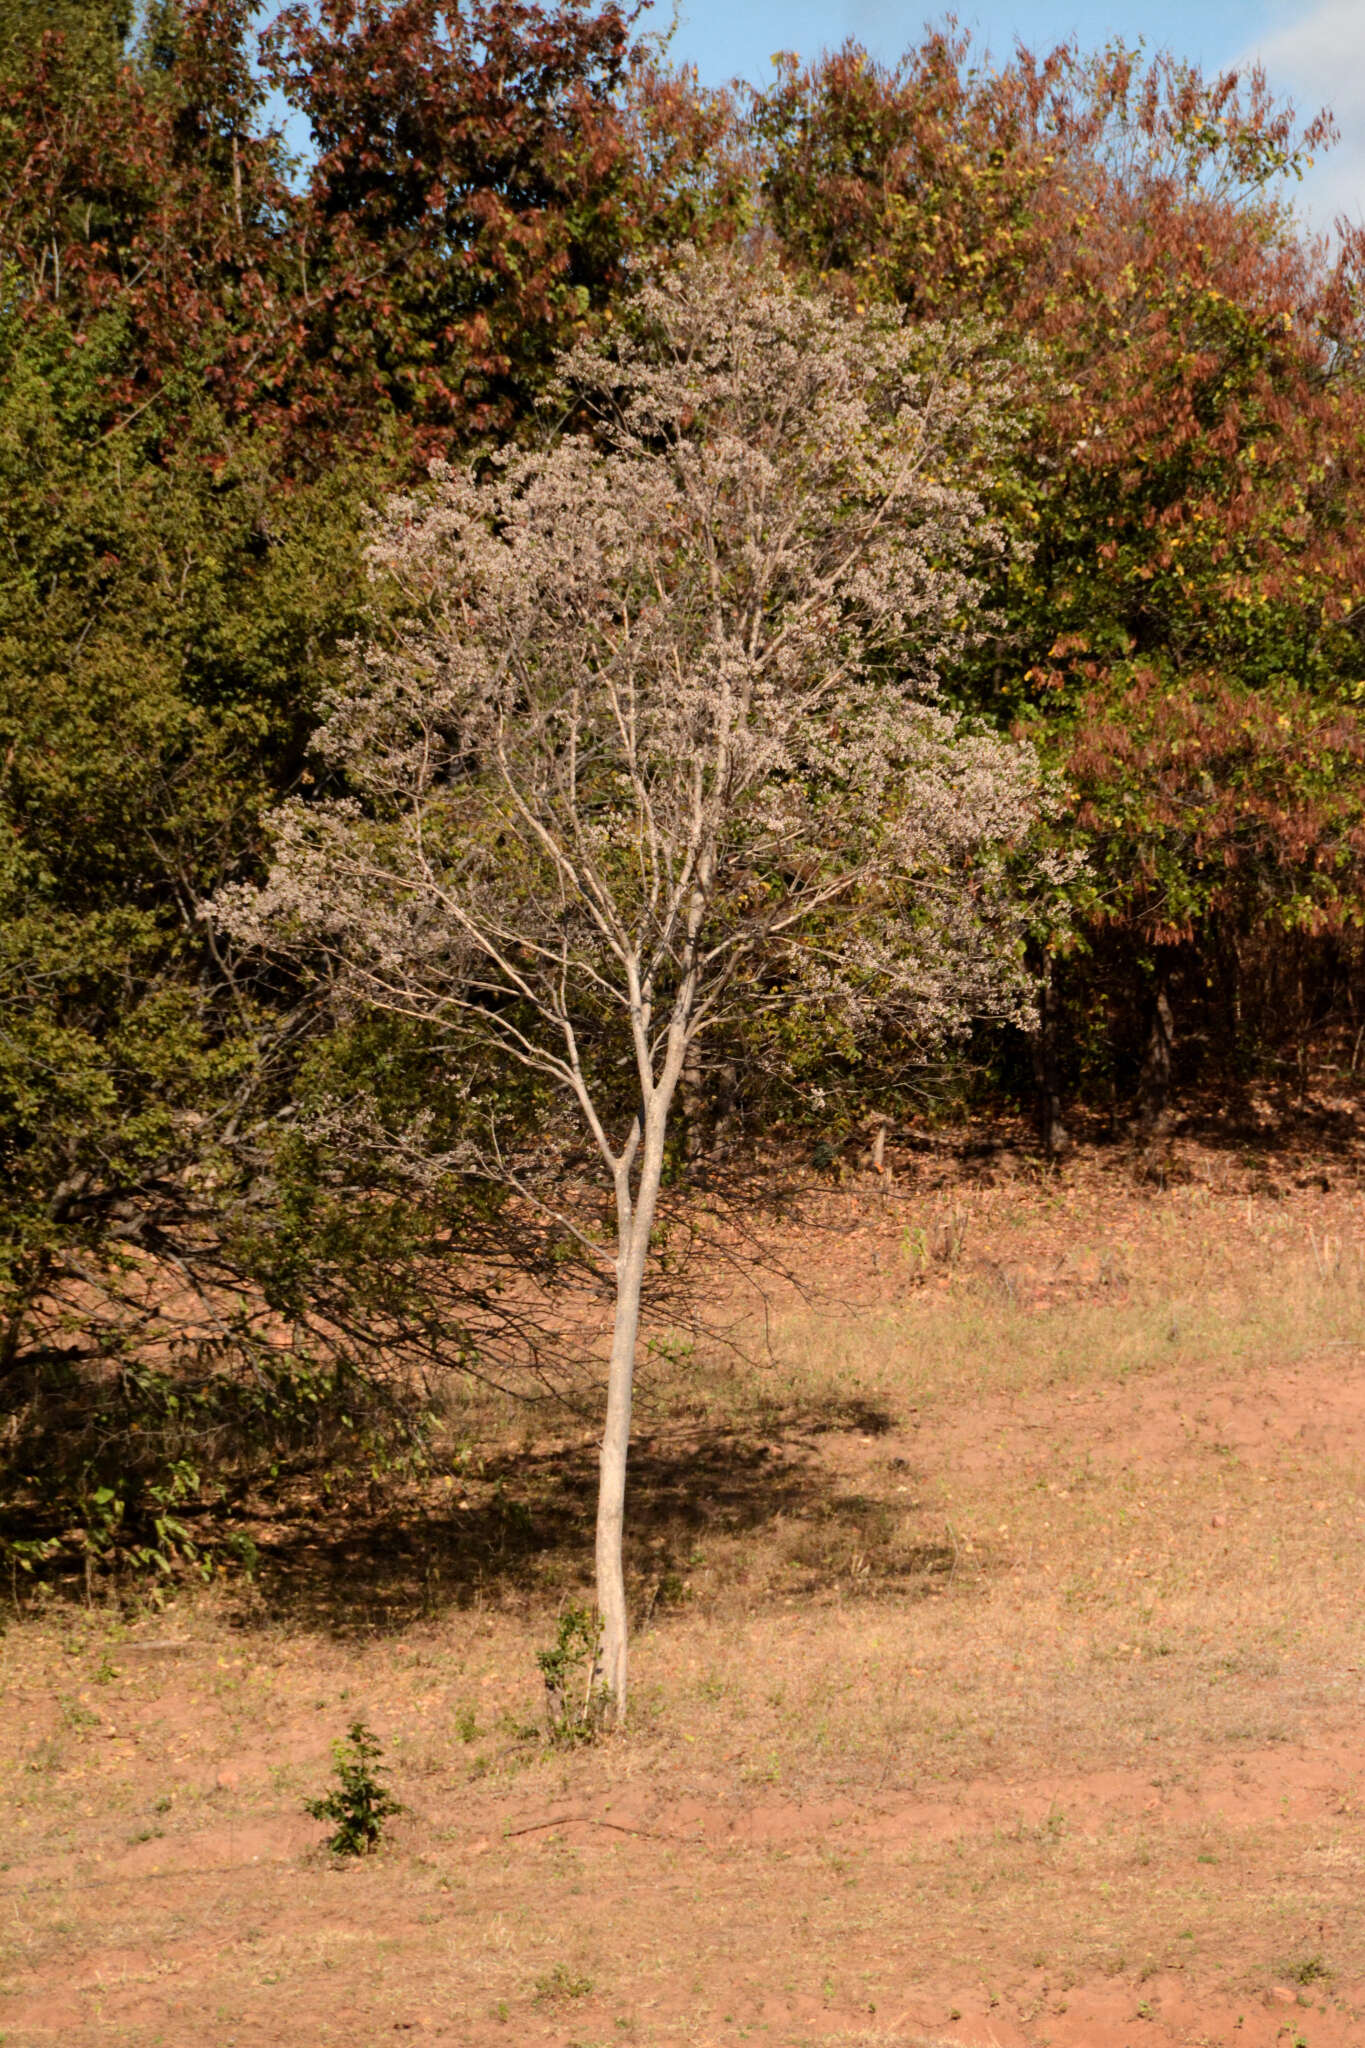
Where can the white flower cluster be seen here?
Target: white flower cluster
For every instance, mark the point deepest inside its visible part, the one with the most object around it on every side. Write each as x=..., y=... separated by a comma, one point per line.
x=660, y=742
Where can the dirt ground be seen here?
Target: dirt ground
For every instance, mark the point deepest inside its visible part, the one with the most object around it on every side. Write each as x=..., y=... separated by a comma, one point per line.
x=999, y=1679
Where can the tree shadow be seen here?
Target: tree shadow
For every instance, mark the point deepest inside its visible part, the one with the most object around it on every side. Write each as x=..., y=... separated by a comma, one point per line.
x=523, y=1529
x=1278, y=1125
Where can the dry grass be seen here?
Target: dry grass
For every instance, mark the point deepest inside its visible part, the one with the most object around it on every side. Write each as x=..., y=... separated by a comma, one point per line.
x=998, y=1680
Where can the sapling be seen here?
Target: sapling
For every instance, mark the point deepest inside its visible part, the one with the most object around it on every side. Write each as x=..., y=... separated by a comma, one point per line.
x=361, y=1803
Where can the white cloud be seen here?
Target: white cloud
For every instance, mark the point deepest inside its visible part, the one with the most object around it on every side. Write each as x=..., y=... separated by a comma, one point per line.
x=1317, y=57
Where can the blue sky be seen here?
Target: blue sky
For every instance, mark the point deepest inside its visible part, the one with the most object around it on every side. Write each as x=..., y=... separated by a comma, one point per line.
x=1313, y=50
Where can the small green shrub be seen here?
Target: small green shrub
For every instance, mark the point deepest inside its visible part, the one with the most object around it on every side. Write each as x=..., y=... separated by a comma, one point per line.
x=574, y=1709
x=560, y=1984
x=361, y=1802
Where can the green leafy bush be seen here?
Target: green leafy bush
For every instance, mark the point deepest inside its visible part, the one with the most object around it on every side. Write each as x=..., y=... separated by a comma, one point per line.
x=574, y=1709
x=361, y=1803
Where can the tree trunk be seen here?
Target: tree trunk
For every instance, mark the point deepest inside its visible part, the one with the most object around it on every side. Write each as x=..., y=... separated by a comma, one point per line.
x=636, y=1223
x=31, y=1278
x=11, y=1335
x=1056, y=1138
x=692, y=1103
x=1154, y=1087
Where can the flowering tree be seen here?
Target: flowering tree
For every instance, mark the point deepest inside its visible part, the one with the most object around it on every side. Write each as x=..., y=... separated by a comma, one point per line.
x=659, y=746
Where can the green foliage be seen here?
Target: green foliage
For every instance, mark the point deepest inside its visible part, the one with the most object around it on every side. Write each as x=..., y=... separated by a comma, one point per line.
x=25, y=1554
x=361, y=1804
x=561, y=1984
x=168, y=1543
x=131, y=1462
x=95, y=29
x=160, y=626
x=575, y=1709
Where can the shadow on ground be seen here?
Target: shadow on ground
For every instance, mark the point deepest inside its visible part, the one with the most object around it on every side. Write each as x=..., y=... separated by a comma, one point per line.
x=524, y=1526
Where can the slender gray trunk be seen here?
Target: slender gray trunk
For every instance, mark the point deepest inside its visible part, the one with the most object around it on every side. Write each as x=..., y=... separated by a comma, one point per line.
x=636, y=1221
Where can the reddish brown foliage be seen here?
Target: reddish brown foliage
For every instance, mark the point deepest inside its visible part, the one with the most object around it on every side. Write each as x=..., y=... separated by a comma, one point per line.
x=147, y=192
x=481, y=178
x=1187, y=637
x=480, y=182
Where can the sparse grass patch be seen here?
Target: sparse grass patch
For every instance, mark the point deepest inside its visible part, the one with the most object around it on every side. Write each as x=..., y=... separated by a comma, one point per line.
x=1017, y=1642
x=561, y=1985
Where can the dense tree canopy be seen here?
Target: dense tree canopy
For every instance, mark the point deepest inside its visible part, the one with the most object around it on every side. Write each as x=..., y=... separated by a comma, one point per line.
x=210, y=365
x=215, y=362
x=1186, y=631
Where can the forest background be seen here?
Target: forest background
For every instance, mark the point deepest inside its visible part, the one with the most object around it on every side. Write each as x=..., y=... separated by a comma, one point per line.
x=215, y=361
